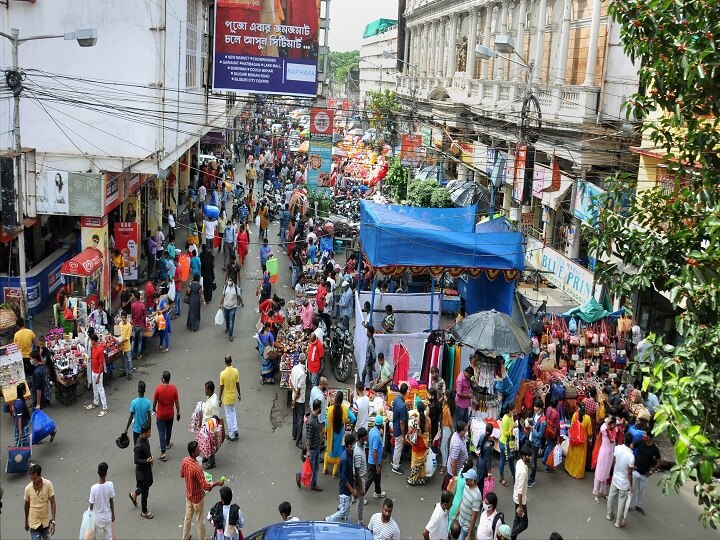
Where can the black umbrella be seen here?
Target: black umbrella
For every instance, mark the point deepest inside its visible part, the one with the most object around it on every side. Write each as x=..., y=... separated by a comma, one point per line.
x=492, y=333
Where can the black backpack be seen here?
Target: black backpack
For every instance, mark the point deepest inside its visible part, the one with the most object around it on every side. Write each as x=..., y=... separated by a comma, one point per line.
x=498, y=516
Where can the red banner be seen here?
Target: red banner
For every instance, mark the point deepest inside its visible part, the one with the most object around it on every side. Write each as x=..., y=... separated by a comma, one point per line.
x=411, y=149
x=127, y=240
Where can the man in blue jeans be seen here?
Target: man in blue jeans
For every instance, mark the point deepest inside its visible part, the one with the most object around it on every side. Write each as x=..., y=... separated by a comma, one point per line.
x=537, y=437
x=347, y=482
x=137, y=316
x=313, y=441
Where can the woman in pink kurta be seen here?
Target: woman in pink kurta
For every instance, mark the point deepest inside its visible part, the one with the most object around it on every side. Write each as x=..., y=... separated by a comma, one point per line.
x=243, y=240
x=605, y=458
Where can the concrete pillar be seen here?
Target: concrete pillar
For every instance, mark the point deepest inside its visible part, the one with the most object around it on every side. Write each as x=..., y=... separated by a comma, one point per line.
x=539, y=41
x=472, y=42
x=452, y=46
x=442, y=65
x=406, y=55
x=564, y=43
x=593, y=46
x=486, y=40
x=520, y=42
x=500, y=74
x=424, y=49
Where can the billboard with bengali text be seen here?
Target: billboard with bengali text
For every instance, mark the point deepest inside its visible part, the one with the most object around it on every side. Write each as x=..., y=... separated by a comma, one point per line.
x=320, y=151
x=266, y=46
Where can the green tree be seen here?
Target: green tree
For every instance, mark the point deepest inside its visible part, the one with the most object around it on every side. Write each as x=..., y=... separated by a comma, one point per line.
x=342, y=62
x=673, y=239
x=384, y=108
x=397, y=180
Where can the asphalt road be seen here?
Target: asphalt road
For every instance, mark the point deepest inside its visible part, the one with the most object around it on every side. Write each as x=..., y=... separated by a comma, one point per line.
x=260, y=466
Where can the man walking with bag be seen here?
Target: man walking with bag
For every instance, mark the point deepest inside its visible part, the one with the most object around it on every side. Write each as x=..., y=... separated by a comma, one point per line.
x=229, y=302
x=230, y=395
x=229, y=238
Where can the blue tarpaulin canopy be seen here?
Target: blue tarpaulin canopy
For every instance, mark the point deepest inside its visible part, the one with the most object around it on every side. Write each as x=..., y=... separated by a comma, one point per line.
x=392, y=235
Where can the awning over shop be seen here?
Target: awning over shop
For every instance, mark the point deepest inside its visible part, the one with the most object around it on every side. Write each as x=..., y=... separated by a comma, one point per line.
x=213, y=138
x=84, y=264
x=554, y=198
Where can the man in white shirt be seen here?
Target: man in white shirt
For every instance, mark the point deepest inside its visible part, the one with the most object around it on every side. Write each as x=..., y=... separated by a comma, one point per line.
x=437, y=527
x=318, y=392
x=101, y=502
x=360, y=471
x=298, y=384
x=622, y=481
x=286, y=512
x=490, y=518
x=520, y=523
x=210, y=225
x=361, y=407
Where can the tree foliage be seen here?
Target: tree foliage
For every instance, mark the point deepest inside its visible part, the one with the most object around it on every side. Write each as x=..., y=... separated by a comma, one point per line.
x=341, y=63
x=672, y=237
x=384, y=107
x=397, y=180
x=428, y=193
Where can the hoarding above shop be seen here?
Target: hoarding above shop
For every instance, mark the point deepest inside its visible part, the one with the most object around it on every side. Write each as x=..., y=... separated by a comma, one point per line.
x=266, y=46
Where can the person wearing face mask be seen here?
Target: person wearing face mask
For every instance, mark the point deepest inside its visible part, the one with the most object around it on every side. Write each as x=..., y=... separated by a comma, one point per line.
x=490, y=518
x=229, y=303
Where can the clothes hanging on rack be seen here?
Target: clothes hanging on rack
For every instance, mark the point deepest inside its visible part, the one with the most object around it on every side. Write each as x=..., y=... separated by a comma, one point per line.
x=401, y=361
x=447, y=371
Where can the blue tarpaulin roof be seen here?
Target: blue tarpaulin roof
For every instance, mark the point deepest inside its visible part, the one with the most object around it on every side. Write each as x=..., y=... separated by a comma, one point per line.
x=392, y=235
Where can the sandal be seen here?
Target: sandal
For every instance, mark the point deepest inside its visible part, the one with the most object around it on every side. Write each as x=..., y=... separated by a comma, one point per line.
x=133, y=498
x=504, y=482
x=90, y=407
x=102, y=413
x=262, y=381
x=149, y=515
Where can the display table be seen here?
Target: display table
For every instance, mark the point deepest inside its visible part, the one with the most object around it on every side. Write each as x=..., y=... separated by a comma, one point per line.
x=66, y=389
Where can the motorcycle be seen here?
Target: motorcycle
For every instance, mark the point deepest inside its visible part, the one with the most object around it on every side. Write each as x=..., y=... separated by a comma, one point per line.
x=341, y=353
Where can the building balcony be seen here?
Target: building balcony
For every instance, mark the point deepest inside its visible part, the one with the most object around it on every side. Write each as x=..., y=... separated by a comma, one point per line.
x=560, y=104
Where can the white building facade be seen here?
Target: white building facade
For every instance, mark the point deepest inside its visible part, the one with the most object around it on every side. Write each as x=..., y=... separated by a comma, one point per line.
x=378, y=73
x=568, y=55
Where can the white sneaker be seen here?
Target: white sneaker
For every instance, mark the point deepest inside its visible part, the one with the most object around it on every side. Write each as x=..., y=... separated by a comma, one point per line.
x=378, y=495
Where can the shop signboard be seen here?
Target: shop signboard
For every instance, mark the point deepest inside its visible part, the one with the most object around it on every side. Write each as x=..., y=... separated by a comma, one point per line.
x=320, y=151
x=566, y=275
x=42, y=281
x=52, y=193
x=411, y=150
x=94, y=233
x=587, y=199
x=266, y=46
x=127, y=240
x=519, y=172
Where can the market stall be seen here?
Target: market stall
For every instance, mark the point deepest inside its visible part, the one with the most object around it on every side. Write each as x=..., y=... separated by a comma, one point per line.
x=11, y=373
x=396, y=239
x=82, y=275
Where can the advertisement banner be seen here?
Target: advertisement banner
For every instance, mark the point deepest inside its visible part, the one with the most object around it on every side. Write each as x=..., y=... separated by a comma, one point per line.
x=267, y=46
x=127, y=240
x=411, y=150
x=320, y=151
x=519, y=172
x=586, y=203
x=566, y=275
x=94, y=233
x=53, y=195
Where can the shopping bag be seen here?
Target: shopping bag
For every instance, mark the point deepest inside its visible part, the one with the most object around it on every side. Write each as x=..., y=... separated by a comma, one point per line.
x=42, y=425
x=489, y=484
x=219, y=317
x=577, y=434
x=171, y=291
x=557, y=454
x=306, y=475
x=87, y=526
x=18, y=459
x=430, y=463
x=550, y=461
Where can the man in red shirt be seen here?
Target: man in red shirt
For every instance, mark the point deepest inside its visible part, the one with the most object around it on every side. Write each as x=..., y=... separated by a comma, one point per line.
x=98, y=371
x=149, y=295
x=314, y=354
x=195, y=488
x=166, y=395
x=137, y=319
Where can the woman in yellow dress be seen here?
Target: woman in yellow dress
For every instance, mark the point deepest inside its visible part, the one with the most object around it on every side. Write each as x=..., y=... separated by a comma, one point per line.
x=337, y=416
x=577, y=454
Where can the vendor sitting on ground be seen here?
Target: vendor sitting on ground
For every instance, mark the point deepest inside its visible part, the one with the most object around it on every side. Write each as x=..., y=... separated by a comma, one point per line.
x=388, y=322
x=384, y=378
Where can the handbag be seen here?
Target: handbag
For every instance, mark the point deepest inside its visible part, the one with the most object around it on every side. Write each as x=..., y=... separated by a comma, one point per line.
x=489, y=484
x=577, y=434
x=42, y=425
x=18, y=459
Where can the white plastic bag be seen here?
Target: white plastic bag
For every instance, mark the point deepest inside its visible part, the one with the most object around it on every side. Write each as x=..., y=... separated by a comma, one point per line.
x=87, y=527
x=430, y=463
x=171, y=291
x=557, y=455
x=220, y=317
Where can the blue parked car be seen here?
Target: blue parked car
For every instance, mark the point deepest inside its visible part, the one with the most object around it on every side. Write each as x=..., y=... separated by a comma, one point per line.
x=311, y=530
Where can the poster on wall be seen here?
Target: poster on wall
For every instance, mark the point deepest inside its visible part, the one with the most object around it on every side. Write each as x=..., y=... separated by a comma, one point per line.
x=320, y=151
x=53, y=193
x=127, y=240
x=268, y=46
x=411, y=150
x=585, y=205
x=129, y=211
x=519, y=172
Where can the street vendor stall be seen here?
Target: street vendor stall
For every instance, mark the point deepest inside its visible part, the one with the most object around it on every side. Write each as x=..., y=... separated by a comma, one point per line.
x=70, y=359
x=11, y=372
x=83, y=274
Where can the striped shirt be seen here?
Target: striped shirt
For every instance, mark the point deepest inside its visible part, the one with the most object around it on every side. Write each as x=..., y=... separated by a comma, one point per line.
x=313, y=432
x=383, y=531
x=195, y=483
x=471, y=502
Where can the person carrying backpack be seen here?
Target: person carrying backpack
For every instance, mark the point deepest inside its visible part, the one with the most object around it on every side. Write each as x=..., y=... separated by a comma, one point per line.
x=229, y=239
x=226, y=517
x=490, y=519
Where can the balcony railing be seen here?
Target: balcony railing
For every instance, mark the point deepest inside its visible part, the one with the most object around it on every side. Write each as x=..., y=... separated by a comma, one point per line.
x=571, y=104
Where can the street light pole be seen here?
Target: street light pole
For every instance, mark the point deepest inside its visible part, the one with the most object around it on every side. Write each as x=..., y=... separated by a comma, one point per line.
x=85, y=38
